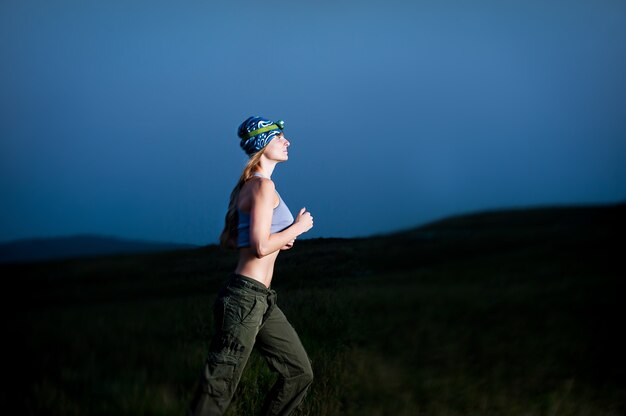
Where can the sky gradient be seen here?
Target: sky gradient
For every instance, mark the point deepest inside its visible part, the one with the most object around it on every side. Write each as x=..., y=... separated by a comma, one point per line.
x=120, y=119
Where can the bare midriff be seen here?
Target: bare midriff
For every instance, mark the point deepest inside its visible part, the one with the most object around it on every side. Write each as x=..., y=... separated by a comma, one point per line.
x=260, y=269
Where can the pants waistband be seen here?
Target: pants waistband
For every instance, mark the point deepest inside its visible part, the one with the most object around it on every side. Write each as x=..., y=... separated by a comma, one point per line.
x=239, y=280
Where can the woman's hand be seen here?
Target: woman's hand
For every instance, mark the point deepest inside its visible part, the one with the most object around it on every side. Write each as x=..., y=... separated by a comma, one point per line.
x=288, y=245
x=304, y=220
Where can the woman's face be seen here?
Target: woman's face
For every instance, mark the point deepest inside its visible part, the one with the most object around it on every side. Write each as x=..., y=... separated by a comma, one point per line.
x=277, y=148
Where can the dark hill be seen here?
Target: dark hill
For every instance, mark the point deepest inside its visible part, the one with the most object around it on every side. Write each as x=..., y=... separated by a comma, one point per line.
x=38, y=249
x=512, y=312
x=560, y=233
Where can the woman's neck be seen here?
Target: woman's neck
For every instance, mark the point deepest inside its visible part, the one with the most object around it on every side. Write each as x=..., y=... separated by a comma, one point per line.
x=265, y=174
x=266, y=167
x=261, y=174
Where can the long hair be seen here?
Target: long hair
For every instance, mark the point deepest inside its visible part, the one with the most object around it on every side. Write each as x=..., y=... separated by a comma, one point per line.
x=228, y=237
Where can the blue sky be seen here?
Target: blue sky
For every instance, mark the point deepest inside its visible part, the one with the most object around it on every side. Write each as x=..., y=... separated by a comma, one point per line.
x=120, y=118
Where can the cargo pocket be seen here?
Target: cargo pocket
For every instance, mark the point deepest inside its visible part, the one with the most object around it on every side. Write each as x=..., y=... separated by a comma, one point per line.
x=239, y=310
x=218, y=373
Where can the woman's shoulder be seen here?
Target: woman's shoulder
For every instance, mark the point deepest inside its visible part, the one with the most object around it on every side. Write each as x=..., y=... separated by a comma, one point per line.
x=257, y=188
x=260, y=184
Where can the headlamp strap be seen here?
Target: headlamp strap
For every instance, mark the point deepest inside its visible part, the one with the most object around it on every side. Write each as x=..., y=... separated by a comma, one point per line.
x=280, y=124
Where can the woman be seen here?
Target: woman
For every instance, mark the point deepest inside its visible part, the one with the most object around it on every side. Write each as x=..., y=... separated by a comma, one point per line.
x=259, y=224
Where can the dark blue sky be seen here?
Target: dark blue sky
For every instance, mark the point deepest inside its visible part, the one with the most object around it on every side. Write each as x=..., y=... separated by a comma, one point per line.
x=120, y=119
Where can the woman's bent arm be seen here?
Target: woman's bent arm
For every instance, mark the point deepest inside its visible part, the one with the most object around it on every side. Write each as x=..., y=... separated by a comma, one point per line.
x=278, y=240
x=261, y=211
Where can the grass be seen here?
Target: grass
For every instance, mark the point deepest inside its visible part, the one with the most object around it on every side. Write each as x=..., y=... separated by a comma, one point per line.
x=514, y=313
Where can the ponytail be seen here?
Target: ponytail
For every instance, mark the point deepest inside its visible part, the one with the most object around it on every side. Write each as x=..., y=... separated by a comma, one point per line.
x=228, y=237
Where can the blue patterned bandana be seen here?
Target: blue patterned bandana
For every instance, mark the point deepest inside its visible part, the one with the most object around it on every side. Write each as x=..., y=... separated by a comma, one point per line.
x=256, y=132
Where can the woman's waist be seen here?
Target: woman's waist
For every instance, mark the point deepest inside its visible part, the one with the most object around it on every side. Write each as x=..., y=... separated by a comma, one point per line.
x=259, y=273
x=242, y=281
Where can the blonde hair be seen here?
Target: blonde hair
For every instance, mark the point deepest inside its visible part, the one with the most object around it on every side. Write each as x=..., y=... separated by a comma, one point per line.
x=228, y=237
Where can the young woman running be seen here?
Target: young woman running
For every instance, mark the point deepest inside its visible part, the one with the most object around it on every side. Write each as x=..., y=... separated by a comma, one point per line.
x=259, y=225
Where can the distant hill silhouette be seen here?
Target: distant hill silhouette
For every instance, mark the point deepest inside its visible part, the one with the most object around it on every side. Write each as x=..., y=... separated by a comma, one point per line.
x=465, y=232
x=39, y=249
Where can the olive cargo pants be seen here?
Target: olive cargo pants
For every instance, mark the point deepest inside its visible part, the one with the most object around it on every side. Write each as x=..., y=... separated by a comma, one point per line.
x=246, y=316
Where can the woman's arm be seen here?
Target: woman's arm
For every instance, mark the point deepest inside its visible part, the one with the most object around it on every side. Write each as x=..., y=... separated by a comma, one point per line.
x=261, y=211
x=288, y=245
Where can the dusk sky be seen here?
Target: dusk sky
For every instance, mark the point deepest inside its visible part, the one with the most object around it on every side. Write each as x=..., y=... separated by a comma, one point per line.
x=120, y=117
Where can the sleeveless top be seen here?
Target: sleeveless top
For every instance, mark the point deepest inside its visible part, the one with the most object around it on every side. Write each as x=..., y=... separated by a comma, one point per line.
x=281, y=219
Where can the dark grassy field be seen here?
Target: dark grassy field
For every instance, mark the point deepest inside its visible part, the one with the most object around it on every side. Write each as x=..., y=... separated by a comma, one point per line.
x=500, y=313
